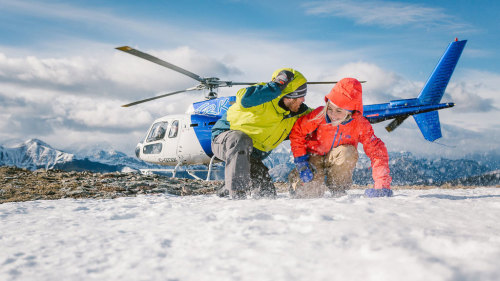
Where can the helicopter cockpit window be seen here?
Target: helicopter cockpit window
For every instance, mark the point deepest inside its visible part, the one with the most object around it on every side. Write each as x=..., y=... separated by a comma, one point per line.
x=174, y=129
x=154, y=148
x=157, y=131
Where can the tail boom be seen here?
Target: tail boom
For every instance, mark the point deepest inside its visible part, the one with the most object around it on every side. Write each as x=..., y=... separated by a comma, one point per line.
x=383, y=112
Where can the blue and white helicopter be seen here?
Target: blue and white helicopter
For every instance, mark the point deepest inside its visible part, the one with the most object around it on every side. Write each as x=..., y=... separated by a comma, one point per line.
x=185, y=139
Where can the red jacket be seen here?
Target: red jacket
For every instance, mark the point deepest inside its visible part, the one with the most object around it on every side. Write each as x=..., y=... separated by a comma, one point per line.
x=316, y=136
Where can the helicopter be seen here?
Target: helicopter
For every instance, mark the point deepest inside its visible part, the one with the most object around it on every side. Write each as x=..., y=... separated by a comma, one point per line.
x=185, y=139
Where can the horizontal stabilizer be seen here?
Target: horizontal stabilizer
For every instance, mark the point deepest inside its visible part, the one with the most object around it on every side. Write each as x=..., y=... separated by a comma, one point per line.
x=429, y=125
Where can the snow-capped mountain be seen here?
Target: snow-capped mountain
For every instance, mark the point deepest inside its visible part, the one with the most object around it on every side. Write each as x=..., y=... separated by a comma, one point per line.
x=280, y=162
x=107, y=155
x=406, y=169
x=487, y=179
x=33, y=154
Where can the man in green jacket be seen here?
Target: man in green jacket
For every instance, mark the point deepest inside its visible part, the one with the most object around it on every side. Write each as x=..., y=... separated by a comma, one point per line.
x=261, y=118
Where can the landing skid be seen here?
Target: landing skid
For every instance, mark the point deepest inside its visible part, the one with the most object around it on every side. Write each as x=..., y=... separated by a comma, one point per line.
x=190, y=172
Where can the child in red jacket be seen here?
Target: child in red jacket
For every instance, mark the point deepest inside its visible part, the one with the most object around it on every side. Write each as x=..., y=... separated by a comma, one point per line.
x=324, y=145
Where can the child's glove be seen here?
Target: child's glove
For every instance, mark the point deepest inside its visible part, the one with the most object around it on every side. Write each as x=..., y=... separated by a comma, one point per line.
x=378, y=192
x=302, y=164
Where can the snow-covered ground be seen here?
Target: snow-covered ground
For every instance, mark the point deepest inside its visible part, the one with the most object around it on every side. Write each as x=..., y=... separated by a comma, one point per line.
x=415, y=235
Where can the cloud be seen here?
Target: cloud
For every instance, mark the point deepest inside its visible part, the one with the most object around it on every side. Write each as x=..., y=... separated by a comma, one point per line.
x=385, y=13
x=381, y=85
x=10, y=102
x=477, y=101
x=467, y=97
x=48, y=72
x=120, y=75
x=81, y=96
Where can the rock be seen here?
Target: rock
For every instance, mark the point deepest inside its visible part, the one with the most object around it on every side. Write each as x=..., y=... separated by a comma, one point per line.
x=18, y=184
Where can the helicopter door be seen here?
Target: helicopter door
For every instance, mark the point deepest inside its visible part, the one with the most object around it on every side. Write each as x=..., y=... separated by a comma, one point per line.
x=153, y=144
x=161, y=143
x=168, y=155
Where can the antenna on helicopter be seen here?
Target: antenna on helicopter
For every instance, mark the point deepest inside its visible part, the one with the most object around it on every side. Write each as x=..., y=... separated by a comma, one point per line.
x=210, y=83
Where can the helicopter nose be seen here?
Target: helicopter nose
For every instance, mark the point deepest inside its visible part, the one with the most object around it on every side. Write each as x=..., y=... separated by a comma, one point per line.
x=137, y=150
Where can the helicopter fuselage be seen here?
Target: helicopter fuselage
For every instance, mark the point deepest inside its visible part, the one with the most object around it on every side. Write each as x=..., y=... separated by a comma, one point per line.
x=184, y=138
x=172, y=139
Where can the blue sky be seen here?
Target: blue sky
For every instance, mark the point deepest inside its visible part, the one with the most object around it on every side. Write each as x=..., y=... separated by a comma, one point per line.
x=62, y=81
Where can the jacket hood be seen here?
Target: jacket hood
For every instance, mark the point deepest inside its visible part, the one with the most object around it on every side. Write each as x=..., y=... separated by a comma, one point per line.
x=347, y=94
x=297, y=81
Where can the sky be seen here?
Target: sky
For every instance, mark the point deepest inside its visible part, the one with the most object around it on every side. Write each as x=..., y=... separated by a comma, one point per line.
x=63, y=81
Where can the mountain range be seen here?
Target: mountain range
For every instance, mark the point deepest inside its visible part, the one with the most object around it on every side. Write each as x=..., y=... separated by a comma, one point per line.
x=406, y=169
x=35, y=154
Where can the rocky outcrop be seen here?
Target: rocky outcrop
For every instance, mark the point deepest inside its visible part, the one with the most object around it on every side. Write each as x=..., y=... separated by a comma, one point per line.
x=18, y=184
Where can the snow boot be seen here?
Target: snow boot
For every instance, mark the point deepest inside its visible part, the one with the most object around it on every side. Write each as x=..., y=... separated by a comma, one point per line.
x=222, y=192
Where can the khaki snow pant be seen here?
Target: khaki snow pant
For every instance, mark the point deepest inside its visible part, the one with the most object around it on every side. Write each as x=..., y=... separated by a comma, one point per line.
x=242, y=172
x=332, y=171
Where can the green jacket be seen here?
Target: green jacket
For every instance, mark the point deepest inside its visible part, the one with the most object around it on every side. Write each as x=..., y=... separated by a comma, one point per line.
x=257, y=112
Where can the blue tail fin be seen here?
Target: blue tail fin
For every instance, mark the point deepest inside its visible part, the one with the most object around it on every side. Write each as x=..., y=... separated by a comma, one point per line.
x=433, y=90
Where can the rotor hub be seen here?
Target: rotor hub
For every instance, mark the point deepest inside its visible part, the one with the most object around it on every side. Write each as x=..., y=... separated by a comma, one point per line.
x=211, y=95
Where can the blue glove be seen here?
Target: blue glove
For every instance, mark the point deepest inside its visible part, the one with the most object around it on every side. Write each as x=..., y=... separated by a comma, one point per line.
x=302, y=165
x=380, y=192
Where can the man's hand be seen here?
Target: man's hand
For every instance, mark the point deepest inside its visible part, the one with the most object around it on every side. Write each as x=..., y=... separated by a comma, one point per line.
x=283, y=78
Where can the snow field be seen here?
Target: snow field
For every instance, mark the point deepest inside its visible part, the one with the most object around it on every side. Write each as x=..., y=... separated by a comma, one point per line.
x=415, y=235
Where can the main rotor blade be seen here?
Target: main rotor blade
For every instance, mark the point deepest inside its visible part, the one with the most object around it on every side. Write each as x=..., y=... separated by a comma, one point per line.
x=243, y=83
x=156, y=60
x=230, y=83
x=161, y=96
x=328, y=82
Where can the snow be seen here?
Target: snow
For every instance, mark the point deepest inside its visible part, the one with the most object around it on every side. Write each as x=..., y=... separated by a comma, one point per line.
x=432, y=234
x=33, y=154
